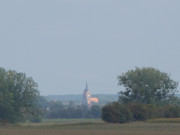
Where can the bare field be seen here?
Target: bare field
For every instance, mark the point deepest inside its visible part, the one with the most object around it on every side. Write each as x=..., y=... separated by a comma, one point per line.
x=84, y=132
x=90, y=128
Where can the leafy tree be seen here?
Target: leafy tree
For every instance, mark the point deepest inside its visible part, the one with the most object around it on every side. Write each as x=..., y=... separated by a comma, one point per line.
x=147, y=85
x=18, y=96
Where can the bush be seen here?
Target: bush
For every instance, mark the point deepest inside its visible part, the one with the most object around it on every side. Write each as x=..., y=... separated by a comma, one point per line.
x=121, y=113
x=143, y=112
x=172, y=111
x=139, y=111
x=116, y=113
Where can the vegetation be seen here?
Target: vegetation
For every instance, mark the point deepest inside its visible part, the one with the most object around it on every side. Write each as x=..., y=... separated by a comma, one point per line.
x=148, y=94
x=121, y=113
x=165, y=120
x=18, y=96
x=54, y=110
x=148, y=86
x=116, y=113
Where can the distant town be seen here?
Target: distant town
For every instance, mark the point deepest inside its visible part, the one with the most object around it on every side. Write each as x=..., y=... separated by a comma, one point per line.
x=86, y=98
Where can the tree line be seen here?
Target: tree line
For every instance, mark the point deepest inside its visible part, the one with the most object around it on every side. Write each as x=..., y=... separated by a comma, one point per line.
x=56, y=109
x=148, y=94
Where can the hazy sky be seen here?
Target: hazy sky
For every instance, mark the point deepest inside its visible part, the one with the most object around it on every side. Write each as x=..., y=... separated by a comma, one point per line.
x=64, y=43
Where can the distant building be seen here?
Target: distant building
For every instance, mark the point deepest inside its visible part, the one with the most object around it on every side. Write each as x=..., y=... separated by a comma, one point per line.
x=87, y=99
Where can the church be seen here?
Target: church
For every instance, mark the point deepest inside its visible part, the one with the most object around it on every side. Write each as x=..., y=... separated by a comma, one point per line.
x=87, y=99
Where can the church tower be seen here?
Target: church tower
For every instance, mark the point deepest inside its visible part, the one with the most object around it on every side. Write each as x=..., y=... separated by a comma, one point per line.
x=86, y=96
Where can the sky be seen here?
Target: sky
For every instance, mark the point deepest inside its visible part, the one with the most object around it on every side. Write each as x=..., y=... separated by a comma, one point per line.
x=64, y=43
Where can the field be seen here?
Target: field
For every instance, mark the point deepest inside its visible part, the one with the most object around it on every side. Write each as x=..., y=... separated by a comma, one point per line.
x=90, y=127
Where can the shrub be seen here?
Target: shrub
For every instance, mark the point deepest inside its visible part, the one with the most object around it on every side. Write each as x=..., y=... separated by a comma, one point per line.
x=116, y=113
x=143, y=112
x=139, y=111
x=121, y=113
x=172, y=111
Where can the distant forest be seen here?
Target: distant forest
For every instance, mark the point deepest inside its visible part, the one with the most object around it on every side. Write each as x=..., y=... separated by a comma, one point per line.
x=103, y=98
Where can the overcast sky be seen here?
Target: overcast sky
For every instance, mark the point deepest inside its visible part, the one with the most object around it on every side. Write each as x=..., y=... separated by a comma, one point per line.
x=64, y=43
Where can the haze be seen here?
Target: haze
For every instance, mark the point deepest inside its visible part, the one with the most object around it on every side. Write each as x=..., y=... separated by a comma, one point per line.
x=64, y=43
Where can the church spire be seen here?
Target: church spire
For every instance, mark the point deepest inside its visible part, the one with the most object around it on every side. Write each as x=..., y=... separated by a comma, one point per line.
x=86, y=86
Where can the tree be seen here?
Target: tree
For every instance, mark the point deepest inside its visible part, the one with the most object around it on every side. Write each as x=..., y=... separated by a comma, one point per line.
x=18, y=96
x=147, y=85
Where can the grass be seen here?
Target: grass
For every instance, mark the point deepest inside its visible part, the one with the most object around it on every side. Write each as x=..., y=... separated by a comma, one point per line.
x=68, y=121
x=52, y=122
x=90, y=127
x=165, y=120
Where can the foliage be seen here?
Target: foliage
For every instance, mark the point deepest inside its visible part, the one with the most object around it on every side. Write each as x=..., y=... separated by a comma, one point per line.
x=18, y=96
x=140, y=112
x=95, y=111
x=54, y=110
x=147, y=85
x=116, y=113
x=172, y=111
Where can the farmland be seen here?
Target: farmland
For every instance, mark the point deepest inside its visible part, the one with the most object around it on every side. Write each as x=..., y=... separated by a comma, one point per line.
x=89, y=127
